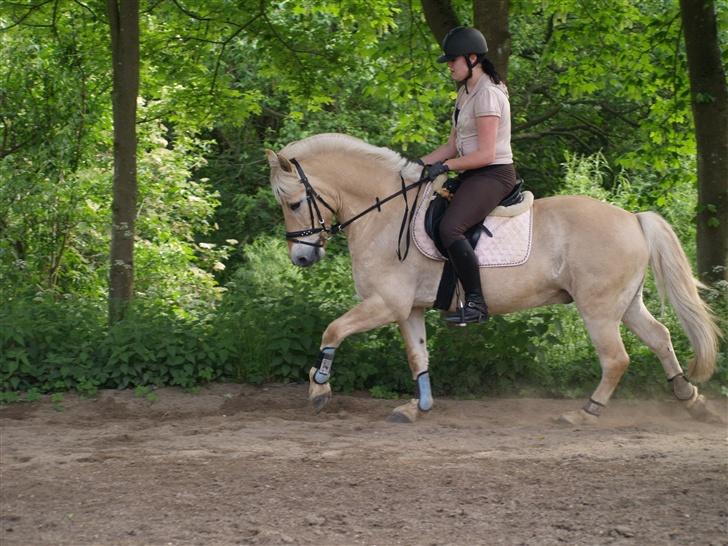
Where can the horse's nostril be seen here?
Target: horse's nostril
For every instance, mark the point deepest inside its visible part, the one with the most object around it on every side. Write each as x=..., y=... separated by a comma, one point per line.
x=302, y=260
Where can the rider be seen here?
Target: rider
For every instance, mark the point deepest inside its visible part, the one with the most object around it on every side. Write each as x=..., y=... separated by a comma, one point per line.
x=480, y=148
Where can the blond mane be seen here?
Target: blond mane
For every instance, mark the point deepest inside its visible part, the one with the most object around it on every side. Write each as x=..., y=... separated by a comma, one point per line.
x=337, y=142
x=340, y=143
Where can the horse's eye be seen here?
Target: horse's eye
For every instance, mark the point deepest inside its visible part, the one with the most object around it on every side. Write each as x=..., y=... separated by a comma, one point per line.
x=295, y=206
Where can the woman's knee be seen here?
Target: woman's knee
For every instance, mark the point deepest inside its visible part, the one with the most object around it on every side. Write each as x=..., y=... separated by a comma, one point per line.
x=450, y=232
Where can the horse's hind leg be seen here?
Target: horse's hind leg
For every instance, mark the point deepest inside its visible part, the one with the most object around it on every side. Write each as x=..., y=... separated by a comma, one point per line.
x=614, y=360
x=654, y=334
x=415, y=341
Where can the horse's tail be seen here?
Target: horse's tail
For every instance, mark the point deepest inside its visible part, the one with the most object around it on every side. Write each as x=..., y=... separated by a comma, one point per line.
x=674, y=277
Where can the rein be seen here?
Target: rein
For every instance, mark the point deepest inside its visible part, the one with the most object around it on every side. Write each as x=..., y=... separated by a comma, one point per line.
x=313, y=198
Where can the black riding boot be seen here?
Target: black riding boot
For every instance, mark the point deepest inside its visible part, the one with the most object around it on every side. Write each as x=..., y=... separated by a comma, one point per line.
x=466, y=268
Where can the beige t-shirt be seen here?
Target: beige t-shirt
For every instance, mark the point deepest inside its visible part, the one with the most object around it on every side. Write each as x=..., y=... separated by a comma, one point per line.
x=485, y=99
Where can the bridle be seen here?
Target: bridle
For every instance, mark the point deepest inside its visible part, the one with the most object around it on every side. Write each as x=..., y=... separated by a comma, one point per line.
x=313, y=199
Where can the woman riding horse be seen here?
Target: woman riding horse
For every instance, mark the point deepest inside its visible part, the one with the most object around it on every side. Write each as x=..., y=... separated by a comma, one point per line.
x=480, y=147
x=583, y=250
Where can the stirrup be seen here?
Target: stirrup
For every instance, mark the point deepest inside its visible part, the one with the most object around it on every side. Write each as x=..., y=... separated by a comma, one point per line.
x=470, y=313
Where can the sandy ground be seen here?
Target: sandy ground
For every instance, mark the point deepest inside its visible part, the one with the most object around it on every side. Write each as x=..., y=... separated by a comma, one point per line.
x=243, y=465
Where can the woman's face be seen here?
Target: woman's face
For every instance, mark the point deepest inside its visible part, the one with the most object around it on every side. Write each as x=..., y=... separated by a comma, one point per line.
x=458, y=69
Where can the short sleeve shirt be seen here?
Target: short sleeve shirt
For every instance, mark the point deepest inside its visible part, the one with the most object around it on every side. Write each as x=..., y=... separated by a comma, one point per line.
x=484, y=99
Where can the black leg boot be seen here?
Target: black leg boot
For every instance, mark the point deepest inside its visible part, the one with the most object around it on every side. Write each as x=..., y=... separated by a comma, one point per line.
x=466, y=268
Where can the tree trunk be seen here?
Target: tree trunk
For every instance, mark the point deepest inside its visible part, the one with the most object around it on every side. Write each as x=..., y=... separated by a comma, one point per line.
x=710, y=112
x=491, y=18
x=124, y=24
x=440, y=17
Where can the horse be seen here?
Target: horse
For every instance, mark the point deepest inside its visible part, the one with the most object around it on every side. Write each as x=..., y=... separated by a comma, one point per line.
x=584, y=251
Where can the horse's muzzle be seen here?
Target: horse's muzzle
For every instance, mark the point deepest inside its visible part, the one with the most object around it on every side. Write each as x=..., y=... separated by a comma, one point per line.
x=304, y=255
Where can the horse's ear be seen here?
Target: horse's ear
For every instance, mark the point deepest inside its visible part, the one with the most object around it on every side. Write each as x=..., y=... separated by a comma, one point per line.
x=278, y=161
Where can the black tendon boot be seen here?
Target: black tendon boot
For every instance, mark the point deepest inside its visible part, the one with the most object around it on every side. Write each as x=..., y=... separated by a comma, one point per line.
x=466, y=268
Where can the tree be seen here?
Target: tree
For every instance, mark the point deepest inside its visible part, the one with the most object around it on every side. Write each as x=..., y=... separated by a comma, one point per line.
x=491, y=17
x=55, y=65
x=709, y=96
x=124, y=26
x=440, y=17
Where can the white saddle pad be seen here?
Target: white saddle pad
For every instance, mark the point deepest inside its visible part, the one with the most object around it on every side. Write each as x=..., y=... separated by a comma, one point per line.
x=509, y=246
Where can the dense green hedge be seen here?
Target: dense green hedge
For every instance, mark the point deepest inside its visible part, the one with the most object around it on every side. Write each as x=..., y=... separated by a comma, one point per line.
x=49, y=344
x=267, y=327
x=265, y=323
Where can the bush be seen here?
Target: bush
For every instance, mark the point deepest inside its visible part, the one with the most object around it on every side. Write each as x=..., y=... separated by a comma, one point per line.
x=284, y=311
x=52, y=344
x=266, y=325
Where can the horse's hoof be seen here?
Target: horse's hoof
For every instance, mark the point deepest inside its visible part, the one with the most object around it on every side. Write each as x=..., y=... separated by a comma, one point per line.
x=700, y=411
x=575, y=418
x=399, y=417
x=319, y=402
x=406, y=413
x=318, y=394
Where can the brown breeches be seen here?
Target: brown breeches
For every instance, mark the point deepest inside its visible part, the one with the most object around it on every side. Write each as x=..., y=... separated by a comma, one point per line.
x=480, y=191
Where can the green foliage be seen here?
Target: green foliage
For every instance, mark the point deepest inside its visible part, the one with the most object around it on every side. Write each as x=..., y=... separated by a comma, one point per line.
x=57, y=401
x=268, y=326
x=9, y=397
x=275, y=314
x=589, y=77
x=377, y=391
x=146, y=392
x=51, y=345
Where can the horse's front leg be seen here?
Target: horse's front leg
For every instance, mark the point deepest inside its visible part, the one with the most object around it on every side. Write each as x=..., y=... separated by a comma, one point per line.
x=415, y=341
x=369, y=314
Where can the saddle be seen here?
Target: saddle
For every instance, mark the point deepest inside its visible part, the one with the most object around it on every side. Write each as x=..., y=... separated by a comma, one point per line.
x=433, y=217
x=438, y=206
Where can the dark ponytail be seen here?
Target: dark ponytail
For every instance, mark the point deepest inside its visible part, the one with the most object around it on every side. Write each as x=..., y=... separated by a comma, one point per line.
x=489, y=69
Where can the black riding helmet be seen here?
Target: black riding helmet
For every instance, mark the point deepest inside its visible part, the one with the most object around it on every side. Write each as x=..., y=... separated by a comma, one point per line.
x=462, y=41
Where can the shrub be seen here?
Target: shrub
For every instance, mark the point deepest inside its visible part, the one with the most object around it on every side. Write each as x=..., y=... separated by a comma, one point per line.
x=57, y=344
x=266, y=324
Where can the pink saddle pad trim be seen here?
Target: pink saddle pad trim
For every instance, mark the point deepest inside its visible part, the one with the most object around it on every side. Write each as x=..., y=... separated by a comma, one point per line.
x=509, y=246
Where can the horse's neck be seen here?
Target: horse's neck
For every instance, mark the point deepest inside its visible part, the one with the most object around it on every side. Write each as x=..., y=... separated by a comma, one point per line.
x=381, y=225
x=355, y=183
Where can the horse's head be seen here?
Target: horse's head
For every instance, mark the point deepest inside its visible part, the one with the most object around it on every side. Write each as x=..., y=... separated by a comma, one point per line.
x=306, y=214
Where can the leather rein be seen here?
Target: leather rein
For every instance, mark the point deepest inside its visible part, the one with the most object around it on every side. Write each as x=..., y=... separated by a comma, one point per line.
x=313, y=198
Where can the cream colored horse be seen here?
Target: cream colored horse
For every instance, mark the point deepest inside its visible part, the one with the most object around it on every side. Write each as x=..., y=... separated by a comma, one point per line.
x=584, y=251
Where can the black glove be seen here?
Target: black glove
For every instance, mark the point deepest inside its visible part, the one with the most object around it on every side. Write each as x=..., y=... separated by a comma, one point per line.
x=433, y=171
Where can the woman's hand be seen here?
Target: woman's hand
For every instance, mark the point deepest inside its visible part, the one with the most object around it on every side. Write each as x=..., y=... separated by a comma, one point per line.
x=436, y=169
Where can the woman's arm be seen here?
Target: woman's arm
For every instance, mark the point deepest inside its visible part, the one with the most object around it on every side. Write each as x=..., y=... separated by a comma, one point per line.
x=487, y=127
x=446, y=151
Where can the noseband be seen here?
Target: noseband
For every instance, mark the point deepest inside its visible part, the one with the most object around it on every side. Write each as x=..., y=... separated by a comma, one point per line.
x=313, y=198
